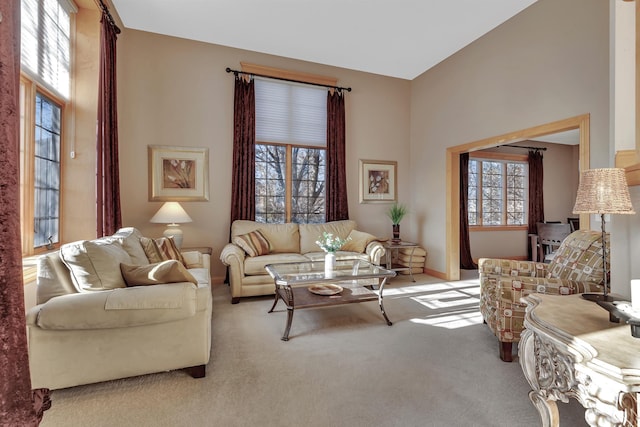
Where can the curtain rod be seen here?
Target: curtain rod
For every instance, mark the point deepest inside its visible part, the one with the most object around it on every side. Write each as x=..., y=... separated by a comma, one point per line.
x=236, y=72
x=525, y=147
x=105, y=10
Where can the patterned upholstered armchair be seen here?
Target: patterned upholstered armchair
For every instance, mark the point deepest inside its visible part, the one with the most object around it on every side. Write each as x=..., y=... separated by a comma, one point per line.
x=576, y=268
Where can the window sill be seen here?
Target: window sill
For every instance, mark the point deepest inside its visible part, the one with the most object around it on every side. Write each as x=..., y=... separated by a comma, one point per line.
x=498, y=228
x=29, y=267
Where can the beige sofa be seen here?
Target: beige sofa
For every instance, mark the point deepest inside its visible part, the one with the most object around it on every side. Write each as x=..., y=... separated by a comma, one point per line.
x=289, y=243
x=91, y=326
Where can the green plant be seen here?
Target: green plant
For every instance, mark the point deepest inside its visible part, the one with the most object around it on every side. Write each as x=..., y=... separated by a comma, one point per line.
x=331, y=244
x=396, y=212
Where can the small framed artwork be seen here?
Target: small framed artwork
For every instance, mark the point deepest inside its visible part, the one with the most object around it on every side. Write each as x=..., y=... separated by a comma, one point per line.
x=378, y=181
x=179, y=174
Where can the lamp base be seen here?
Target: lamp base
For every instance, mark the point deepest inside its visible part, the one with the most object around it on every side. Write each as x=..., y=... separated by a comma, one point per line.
x=174, y=232
x=599, y=297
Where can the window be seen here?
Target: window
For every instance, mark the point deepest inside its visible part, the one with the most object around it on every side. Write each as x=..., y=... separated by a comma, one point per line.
x=46, y=51
x=291, y=123
x=497, y=192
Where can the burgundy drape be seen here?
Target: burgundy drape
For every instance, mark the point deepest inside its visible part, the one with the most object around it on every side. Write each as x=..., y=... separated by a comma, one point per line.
x=243, y=187
x=536, y=195
x=337, y=206
x=109, y=217
x=19, y=405
x=466, y=261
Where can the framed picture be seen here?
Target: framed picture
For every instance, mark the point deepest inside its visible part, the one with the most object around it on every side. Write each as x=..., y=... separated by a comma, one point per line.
x=378, y=181
x=179, y=174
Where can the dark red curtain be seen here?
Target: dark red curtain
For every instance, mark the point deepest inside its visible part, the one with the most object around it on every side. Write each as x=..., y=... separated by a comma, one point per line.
x=536, y=194
x=19, y=405
x=243, y=182
x=466, y=261
x=337, y=206
x=109, y=217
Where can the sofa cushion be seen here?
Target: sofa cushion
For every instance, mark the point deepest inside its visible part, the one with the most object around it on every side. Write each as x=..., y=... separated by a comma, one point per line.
x=340, y=255
x=254, y=266
x=95, y=264
x=309, y=233
x=358, y=241
x=253, y=243
x=579, y=258
x=170, y=271
x=129, y=238
x=119, y=308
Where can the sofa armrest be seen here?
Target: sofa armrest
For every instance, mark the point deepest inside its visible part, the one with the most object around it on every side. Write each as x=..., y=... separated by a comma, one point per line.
x=375, y=250
x=508, y=267
x=197, y=259
x=117, y=308
x=233, y=256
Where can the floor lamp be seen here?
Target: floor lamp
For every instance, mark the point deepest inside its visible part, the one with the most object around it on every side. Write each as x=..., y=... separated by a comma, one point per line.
x=603, y=191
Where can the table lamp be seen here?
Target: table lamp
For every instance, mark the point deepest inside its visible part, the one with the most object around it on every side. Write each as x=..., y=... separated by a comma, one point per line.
x=172, y=214
x=603, y=191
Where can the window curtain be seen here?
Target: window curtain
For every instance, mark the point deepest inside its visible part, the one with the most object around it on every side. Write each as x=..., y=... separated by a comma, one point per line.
x=109, y=217
x=466, y=261
x=19, y=405
x=243, y=191
x=536, y=195
x=336, y=179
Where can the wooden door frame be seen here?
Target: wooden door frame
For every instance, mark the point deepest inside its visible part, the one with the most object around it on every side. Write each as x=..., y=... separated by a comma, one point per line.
x=581, y=122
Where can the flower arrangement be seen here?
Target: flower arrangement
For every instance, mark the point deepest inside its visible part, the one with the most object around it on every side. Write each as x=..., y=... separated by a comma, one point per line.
x=331, y=244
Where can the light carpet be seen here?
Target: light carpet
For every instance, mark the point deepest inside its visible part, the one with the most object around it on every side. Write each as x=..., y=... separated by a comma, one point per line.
x=437, y=365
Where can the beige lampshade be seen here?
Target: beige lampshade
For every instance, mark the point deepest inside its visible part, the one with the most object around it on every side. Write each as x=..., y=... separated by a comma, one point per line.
x=171, y=213
x=603, y=191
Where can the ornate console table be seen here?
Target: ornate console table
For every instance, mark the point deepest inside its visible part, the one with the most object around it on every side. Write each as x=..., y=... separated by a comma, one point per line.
x=570, y=349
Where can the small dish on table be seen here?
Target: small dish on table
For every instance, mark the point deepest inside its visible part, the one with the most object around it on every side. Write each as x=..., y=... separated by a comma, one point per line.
x=325, y=289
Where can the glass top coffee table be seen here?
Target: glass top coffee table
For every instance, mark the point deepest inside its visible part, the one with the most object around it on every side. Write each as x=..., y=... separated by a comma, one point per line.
x=305, y=285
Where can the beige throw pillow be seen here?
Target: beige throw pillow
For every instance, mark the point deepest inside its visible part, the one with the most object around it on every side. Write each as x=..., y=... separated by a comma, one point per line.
x=161, y=249
x=94, y=264
x=170, y=271
x=358, y=241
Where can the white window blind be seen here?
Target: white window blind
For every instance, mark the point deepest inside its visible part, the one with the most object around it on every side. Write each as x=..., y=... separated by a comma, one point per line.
x=289, y=113
x=46, y=42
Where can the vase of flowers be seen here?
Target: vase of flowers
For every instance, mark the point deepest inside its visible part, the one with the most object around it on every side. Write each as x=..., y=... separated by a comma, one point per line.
x=395, y=213
x=330, y=245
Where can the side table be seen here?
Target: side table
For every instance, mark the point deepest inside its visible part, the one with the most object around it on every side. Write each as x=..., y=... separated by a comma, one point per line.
x=391, y=246
x=569, y=348
x=205, y=250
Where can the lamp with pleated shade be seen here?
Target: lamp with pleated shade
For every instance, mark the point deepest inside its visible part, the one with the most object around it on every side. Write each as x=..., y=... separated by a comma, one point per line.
x=172, y=214
x=603, y=191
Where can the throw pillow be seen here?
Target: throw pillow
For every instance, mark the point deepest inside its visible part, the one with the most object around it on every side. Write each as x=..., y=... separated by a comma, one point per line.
x=151, y=250
x=170, y=271
x=169, y=250
x=358, y=241
x=253, y=243
x=93, y=264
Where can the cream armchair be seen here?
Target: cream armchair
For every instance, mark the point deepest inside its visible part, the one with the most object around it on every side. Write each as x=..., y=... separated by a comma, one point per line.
x=576, y=268
x=89, y=326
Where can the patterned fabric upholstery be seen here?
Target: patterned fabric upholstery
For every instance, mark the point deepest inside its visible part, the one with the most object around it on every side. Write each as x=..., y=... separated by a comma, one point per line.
x=576, y=268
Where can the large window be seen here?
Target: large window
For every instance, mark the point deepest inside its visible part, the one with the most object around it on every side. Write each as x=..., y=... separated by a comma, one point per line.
x=291, y=123
x=46, y=52
x=498, y=192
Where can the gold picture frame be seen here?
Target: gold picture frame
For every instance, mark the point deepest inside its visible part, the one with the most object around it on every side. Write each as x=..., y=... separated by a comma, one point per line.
x=378, y=181
x=179, y=174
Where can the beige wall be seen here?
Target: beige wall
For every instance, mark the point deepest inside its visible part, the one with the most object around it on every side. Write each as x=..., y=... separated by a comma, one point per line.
x=549, y=62
x=561, y=177
x=173, y=91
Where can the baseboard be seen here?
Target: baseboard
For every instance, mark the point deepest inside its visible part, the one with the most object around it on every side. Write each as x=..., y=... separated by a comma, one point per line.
x=217, y=280
x=435, y=273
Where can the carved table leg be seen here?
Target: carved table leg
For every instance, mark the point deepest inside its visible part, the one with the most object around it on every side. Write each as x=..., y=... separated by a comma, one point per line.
x=548, y=409
x=384, y=314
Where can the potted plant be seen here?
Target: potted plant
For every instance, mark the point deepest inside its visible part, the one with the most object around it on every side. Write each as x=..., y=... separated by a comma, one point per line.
x=396, y=212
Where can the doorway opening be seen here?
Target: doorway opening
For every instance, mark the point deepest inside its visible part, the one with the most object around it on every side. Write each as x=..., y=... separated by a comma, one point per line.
x=453, y=176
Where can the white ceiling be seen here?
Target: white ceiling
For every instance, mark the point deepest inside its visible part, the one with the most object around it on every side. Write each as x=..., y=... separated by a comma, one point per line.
x=397, y=38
